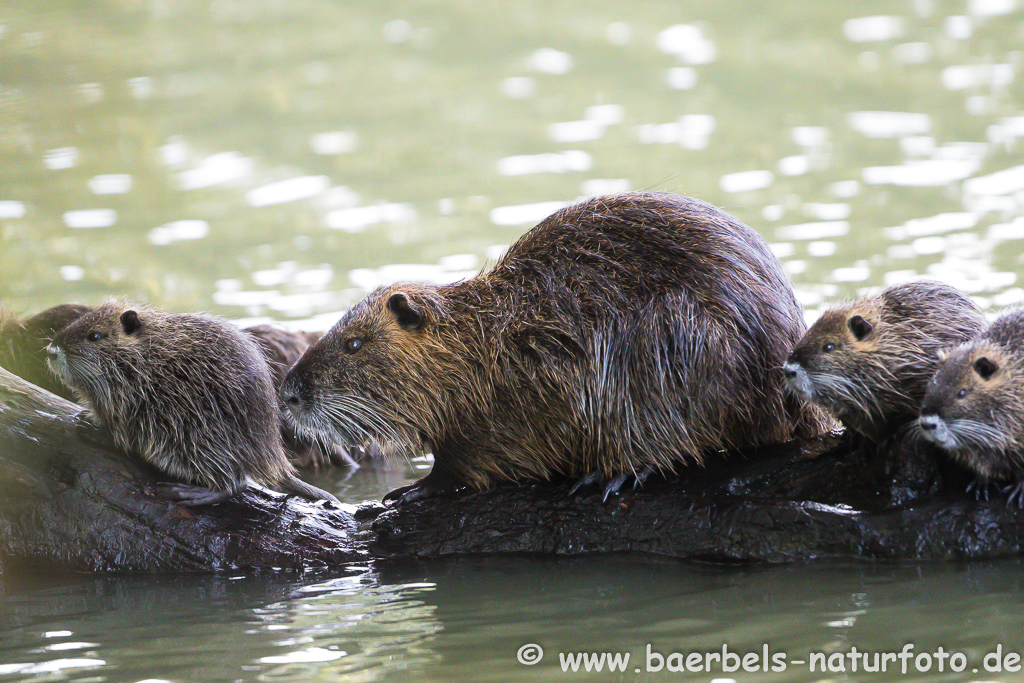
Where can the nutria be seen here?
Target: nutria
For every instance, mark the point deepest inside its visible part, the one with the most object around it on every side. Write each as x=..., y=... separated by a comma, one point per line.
x=621, y=335
x=281, y=350
x=974, y=406
x=868, y=362
x=23, y=344
x=190, y=394
x=23, y=352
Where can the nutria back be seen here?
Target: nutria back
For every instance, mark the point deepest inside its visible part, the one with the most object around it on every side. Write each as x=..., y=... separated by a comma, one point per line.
x=191, y=394
x=869, y=361
x=623, y=332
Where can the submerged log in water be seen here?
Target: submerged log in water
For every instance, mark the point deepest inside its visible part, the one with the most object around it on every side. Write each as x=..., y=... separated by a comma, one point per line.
x=70, y=501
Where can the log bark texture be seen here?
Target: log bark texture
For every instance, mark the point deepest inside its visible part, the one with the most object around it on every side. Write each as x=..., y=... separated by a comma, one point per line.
x=69, y=500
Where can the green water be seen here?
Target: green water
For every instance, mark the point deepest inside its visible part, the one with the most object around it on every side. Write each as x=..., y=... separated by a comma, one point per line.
x=272, y=161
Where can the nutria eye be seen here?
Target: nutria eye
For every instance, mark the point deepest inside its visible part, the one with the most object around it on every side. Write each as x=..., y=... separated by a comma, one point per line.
x=961, y=393
x=353, y=345
x=94, y=336
x=828, y=347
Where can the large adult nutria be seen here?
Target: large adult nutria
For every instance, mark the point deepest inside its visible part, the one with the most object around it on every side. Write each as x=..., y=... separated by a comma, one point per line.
x=974, y=406
x=623, y=334
x=190, y=394
x=868, y=362
x=23, y=344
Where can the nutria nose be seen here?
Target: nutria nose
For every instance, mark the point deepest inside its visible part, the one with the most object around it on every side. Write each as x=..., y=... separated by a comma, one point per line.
x=790, y=368
x=52, y=350
x=929, y=422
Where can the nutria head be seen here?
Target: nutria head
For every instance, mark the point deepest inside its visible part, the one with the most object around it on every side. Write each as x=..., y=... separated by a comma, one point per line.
x=92, y=352
x=23, y=344
x=834, y=363
x=975, y=401
x=381, y=372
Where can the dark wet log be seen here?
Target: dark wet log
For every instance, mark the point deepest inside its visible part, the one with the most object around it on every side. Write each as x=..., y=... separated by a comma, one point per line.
x=69, y=500
x=796, y=503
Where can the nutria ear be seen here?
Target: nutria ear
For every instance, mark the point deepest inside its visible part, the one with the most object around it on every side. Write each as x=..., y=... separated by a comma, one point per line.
x=860, y=327
x=408, y=316
x=130, y=322
x=985, y=367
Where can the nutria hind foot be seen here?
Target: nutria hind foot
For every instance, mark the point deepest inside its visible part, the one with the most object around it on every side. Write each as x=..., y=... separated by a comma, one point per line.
x=433, y=485
x=614, y=485
x=1015, y=494
x=188, y=495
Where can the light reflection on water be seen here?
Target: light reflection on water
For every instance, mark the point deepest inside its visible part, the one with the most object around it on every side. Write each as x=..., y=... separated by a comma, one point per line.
x=224, y=628
x=275, y=161
x=164, y=160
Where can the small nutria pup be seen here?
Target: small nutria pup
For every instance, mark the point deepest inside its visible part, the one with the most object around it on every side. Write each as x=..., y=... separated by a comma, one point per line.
x=868, y=362
x=23, y=344
x=974, y=407
x=282, y=349
x=190, y=394
x=622, y=335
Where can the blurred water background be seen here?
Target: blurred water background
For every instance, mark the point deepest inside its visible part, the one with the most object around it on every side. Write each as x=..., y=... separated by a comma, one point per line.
x=273, y=161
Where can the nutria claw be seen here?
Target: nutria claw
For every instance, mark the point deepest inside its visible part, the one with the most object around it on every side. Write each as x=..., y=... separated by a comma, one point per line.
x=615, y=484
x=585, y=480
x=187, y=495
x=1015, y=495
x=983, y=488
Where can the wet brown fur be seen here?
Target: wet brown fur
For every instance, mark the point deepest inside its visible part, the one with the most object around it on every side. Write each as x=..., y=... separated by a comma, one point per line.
x=984, y=428
x=875, y=385
x=190, y=394
x=623, y=332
